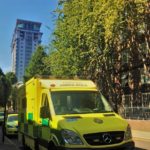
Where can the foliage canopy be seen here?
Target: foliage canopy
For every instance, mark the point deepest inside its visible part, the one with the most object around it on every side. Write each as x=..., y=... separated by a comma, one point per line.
x=94, y=39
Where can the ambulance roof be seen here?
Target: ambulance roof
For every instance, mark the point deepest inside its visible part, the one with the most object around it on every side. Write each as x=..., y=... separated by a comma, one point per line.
x=47, y=83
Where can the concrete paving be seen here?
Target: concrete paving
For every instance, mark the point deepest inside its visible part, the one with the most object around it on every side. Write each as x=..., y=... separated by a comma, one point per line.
x=141, y=134
x=140, y=129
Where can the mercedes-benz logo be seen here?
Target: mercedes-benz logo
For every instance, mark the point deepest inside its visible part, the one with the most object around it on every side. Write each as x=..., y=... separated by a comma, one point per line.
x=107, y=138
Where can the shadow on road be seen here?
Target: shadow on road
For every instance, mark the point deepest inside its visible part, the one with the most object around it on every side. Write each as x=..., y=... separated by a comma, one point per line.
x=139, y=148
x=12, y=136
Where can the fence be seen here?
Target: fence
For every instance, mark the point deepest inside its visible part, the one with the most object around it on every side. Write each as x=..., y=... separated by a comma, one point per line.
x=141, y=112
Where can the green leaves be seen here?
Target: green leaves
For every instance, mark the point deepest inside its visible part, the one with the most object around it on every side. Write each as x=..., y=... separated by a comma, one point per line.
x=99, y=39
x=5, y=88
x=11, y=77
x=83, y=33
x=37, y=64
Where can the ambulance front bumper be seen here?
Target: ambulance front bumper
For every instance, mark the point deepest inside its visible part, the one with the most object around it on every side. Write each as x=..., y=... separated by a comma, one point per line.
x=126, y=146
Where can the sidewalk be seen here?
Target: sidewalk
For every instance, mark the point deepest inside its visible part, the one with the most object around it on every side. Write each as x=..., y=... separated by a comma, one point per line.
x=140, y=129
x=8, y=145
x=141, y=135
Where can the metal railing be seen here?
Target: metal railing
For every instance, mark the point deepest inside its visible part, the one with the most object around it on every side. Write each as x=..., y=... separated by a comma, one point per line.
x=141, y=112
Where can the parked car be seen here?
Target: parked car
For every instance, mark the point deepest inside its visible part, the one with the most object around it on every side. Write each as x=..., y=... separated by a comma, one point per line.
x=1, y=117
x=11, y=124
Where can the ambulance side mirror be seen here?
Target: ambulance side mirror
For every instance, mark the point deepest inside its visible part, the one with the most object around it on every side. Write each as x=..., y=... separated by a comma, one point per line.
x=44, y=112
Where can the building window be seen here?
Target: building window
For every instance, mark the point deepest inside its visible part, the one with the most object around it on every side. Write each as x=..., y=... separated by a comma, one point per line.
x=22, y=34
x=21, y=25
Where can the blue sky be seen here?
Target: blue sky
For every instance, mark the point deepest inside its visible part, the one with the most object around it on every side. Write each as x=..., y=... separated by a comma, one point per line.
x=34, y=10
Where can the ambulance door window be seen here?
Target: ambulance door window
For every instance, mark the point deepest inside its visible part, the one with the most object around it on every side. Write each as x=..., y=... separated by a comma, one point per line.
x=45, y=117
x=45, y=109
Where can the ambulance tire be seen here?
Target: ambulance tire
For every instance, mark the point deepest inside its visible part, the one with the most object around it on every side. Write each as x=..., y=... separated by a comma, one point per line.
x=129, y=148
x=52, y=146
x=36, y=144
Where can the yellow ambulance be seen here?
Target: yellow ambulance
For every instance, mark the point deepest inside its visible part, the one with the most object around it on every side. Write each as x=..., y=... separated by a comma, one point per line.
x=69, y=115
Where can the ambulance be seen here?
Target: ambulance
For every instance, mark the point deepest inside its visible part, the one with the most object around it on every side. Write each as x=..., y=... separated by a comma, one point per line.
x=69, y=114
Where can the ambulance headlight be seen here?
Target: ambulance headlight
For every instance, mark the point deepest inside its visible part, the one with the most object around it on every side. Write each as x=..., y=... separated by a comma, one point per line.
x=71, y=137
x=128, y=134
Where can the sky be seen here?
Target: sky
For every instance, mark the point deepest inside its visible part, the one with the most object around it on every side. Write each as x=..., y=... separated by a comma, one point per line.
x=32, y=10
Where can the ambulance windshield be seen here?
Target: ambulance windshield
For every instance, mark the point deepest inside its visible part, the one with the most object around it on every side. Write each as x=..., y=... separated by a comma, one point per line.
x=79, y=102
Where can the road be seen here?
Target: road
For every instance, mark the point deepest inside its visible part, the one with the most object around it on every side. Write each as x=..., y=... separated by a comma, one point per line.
x=141, y=144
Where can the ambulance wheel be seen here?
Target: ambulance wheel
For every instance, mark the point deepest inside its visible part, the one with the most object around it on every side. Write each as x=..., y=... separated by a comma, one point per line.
x=52, y=146
x=36, y=144
x=130, y=148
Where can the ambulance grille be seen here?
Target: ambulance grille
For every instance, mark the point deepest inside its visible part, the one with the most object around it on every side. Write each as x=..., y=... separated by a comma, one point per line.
x=104, y=138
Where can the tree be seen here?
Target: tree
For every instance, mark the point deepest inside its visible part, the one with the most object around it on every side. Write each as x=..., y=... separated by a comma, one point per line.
x=133, y=44
x=84, y=31
x=91, y=36
x=37, y=64
x=11, y=77
x=4, y=88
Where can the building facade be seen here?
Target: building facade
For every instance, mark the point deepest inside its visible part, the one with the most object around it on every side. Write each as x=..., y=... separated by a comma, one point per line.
x=136, y=86
x=25, y=39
